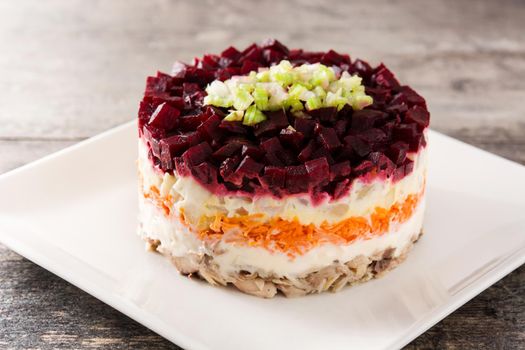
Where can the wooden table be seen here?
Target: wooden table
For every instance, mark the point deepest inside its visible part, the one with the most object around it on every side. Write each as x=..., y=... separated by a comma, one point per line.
x=71, y=69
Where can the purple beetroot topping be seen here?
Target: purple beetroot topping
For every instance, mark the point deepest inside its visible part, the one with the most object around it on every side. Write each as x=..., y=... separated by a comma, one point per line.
x=320, y=152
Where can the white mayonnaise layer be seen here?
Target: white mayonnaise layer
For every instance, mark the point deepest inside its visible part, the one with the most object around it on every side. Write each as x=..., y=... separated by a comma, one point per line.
x=178, y=240
x=196, y=201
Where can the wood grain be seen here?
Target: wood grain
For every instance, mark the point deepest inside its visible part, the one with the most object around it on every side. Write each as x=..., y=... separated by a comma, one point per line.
x=71, y=69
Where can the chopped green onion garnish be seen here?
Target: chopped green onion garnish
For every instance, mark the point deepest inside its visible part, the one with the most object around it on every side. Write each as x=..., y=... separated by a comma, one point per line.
x=309, y=86
x=234, y=116
x=253, y=116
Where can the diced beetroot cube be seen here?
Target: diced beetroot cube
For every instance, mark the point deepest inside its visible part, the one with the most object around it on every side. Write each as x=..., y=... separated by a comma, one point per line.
x=251, y=53
x=307, y=152
x=384, y=77
x=338, y=170
x=173, y=146
x=193, y=137
x=296, y=178
x=231, y=53
x=365, y=167
x=239, y=139
x=191, y=122
x=189, y=88
x=195, y=100
x=197, y=154
x=176, y=91
x=209, y=129
x=199, y=76
x=323, y=152
x=276, y=154
x=367, y=118
x=174, y=101
x=305, y=126
x=233, y=127
x=324, y=114
x=388, y=128
x=409, y=96
x=212, y=110
x=291, y=138
x=274, y=177
x=249, y=66
x=418, y=115
x=205, y=173
x=406, y=132
x=357, y=145
x=164, y=117
x=381, y=96
x=155, y=85
x=287, y=157
x=328, y=138
x=362, y=68
x=279, y=118
x=397, y=152
x=271, y=145
x=403, y=170
x=275, y=45
x=227, y=170
x=249, y=168
x=341, y=188
x=318, y=171
x=418, y=141
x=374, y=137
x=332, y=58
x=312, y=57
x=252, y=151
x=397, y=109
x=382, y=162
x=152, y=139
x=272, y=159
x=272, y=56
x=210, y=61
x=226, y=151
x=275, y=122
x=226, y=73
x=340, y=127
x=146, y=108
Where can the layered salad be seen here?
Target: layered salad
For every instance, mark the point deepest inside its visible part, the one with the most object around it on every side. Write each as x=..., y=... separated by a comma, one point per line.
x=278, y=170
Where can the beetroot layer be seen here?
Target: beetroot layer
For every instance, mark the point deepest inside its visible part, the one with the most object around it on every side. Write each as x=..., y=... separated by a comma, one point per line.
x=320, y=155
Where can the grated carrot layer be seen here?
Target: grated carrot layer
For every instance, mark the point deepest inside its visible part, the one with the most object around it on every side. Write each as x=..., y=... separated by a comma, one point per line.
x=294, y=238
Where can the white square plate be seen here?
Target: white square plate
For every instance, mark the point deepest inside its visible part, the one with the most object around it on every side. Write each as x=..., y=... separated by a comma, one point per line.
x=74, y=213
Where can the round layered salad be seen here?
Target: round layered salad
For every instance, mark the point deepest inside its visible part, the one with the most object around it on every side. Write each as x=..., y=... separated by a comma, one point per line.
x=272, y=169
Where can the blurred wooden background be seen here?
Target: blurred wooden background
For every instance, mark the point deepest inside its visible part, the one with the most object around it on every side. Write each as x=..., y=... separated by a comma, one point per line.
x=71, y=69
